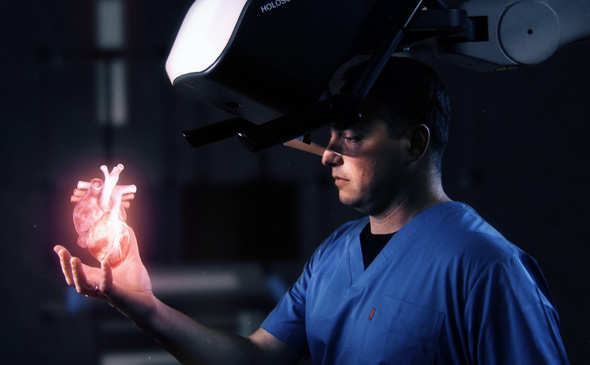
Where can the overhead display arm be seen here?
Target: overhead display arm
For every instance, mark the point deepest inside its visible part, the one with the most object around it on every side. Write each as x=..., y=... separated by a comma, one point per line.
x=270, y=63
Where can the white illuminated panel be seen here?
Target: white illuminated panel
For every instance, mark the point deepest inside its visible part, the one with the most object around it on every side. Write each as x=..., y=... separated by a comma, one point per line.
x=203, y=35
x=110, y=23
x=138, y=358
x=111, y=92
x=111, y=73
x=118, y=92
x=189, y=282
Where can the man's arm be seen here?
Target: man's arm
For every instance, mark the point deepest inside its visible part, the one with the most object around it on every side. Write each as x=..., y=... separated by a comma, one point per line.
x=191, y=342
x=512, y=316
x=128, y=289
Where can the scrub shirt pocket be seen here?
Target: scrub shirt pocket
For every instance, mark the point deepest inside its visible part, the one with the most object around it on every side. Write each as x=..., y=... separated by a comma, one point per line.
x=400, y=332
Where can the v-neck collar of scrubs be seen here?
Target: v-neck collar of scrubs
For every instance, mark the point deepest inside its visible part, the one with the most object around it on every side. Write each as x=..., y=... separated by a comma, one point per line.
x=399, y=243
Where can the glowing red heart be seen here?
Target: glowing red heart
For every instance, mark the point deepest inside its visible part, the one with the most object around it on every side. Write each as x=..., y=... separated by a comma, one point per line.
x=99, y=217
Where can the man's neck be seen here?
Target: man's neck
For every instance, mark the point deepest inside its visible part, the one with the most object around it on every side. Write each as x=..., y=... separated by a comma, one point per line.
x=399, y=213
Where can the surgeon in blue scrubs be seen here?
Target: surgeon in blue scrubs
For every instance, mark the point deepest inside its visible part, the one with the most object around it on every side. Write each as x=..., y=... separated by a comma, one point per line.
x=420, y=280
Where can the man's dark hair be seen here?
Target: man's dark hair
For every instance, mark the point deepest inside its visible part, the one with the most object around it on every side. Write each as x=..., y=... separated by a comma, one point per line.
x=410, y=92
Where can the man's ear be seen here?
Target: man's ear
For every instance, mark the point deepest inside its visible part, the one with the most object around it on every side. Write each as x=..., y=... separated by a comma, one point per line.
x=419, y=138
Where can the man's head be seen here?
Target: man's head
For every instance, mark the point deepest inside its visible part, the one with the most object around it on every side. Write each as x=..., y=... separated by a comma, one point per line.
x=392, y=156
x=409, y=92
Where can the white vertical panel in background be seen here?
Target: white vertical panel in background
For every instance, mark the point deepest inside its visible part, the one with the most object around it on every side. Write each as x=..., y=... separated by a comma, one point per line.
x=118, y=92
x=111, y=73
x=110, y=24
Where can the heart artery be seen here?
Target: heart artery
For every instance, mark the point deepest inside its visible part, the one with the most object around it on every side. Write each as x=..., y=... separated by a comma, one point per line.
x=99, y=216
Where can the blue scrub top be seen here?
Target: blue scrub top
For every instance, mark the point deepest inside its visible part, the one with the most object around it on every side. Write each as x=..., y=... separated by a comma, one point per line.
x=447, y=288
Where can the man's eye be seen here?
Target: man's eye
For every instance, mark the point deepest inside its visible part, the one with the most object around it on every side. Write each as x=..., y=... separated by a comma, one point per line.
x=351, y=139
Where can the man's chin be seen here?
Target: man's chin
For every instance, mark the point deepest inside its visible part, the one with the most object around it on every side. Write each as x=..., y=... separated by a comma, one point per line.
x=353, y=203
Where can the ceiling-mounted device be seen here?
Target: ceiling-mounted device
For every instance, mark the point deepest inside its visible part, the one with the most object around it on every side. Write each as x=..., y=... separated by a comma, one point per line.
x=270, y=62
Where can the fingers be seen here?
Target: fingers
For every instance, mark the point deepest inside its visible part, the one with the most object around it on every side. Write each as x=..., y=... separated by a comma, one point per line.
x=107, y=276
x=74, y=274
x=81, y=282
x=64, y=260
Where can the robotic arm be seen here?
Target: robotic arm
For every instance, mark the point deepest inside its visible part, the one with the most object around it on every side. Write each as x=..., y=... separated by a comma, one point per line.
x=270, y=62
x=517, y=33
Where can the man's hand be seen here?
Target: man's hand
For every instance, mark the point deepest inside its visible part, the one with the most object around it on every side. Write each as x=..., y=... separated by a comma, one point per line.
x=127, y=287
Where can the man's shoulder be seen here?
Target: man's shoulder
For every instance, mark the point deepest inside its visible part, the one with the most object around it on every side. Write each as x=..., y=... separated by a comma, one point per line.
x=460, y=228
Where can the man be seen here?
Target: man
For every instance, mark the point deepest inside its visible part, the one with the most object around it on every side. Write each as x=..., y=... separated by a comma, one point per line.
x=420, y=280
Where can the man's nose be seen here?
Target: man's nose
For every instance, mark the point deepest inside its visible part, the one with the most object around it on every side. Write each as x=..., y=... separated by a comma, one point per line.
x=331, y=157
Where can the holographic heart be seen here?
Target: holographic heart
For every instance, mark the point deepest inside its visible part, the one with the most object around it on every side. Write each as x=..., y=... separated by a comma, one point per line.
x=99, y=217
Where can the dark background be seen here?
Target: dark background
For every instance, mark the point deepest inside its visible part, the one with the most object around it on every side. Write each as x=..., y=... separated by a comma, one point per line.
x=518, y=154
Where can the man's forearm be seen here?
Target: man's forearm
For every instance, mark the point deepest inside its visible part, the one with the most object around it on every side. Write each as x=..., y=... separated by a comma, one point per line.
x=193, y=343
